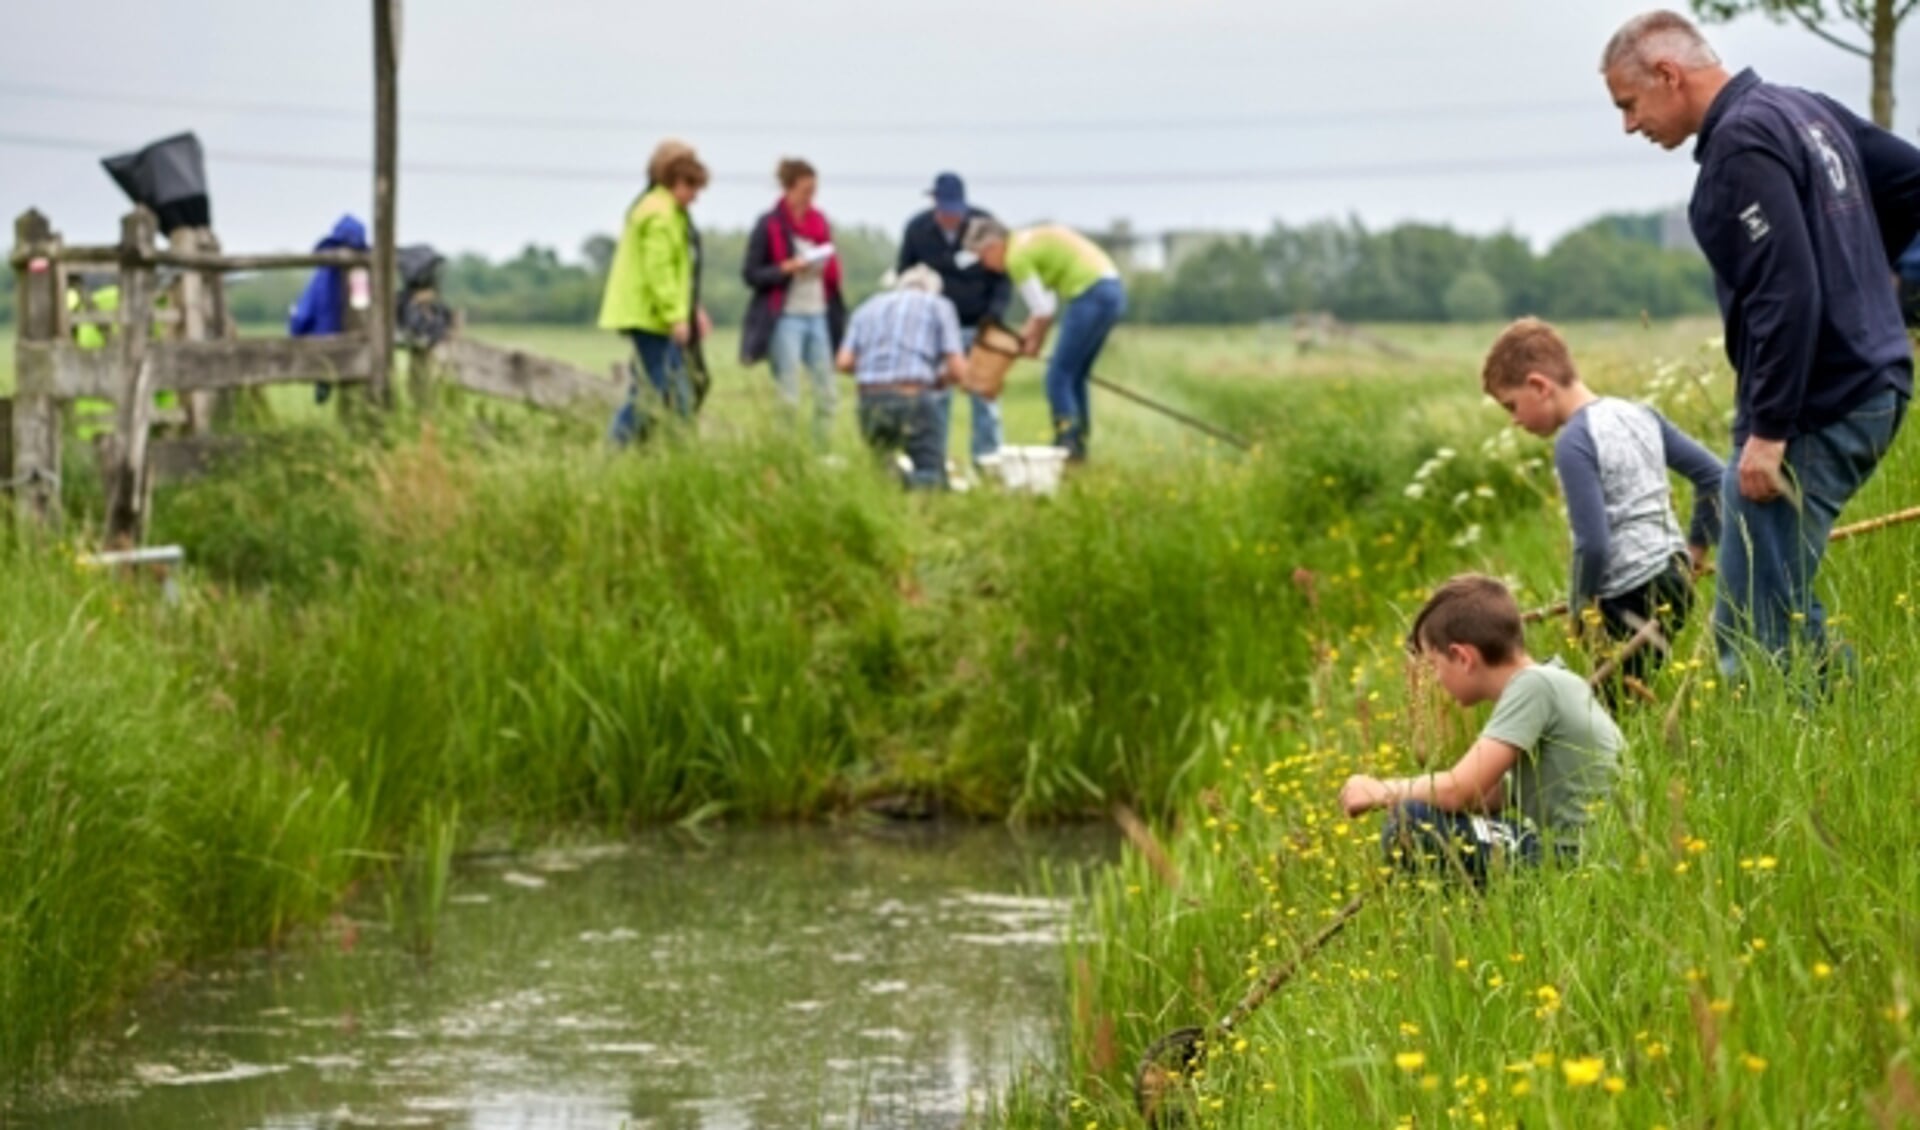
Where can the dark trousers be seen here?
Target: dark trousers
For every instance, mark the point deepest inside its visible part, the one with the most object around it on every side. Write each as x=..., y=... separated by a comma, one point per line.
x=665, y=367
x=1667, y=598
x=910, y=422
x=1417, y=837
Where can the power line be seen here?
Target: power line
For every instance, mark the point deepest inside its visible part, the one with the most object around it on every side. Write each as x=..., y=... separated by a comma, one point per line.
x=1391, y=170
x=1296, y=119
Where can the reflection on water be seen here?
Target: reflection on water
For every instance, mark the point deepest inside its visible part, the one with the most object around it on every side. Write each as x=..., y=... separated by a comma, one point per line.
x=767, y=978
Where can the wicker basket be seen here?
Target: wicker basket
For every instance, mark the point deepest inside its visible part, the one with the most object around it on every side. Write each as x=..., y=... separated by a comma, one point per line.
x=995, y=349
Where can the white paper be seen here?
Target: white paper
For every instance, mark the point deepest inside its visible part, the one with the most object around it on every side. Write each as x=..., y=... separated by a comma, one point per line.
x=818, y=253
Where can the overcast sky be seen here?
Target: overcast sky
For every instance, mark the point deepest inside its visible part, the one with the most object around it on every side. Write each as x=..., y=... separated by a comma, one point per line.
x=525, y=121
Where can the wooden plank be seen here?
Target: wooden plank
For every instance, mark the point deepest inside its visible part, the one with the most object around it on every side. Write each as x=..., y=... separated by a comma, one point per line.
x=36, y=410
x=66, y=371
x=70, y=373
x=128, y=486
x=513, y=375
x=251, y=362
x=112, y=256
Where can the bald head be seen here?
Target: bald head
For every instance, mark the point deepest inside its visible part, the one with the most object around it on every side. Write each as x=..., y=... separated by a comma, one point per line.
x=1651, y=38
x=1662, y=76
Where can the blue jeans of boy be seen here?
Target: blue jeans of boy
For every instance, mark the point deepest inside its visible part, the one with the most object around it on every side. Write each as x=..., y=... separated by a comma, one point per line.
x=1418, y=837
x=987, y=435
x=803, y=339
x=666, y=370
x=1084, y=327
x=1771, y=551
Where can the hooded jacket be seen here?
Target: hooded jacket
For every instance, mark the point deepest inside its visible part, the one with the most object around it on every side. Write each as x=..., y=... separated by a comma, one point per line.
x=322, y=307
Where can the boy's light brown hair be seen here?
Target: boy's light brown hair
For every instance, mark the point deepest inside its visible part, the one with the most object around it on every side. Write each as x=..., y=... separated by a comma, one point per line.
x=1527, y=346
x=1474, y=610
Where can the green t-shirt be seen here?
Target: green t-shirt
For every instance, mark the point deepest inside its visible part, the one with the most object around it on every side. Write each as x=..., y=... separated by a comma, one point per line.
x=1058, y=258
x=1569, y=747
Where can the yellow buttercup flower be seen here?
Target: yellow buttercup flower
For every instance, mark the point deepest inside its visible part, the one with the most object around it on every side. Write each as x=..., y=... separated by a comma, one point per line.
x=1410, y=1061
x=1584, y=1072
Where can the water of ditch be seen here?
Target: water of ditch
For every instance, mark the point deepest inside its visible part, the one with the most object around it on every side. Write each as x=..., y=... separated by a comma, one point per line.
x=784, y=977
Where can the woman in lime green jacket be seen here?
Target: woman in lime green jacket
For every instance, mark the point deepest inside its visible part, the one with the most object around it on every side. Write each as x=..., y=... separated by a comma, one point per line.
x=653, y=286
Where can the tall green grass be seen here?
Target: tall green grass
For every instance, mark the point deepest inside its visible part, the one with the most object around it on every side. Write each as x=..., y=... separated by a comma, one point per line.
x=490, y=616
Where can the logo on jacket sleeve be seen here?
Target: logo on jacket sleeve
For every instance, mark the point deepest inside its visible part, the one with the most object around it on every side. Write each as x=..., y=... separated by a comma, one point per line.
x=1756, y=222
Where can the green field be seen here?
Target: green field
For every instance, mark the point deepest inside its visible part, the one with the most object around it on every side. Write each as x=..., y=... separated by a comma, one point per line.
x=490, y=614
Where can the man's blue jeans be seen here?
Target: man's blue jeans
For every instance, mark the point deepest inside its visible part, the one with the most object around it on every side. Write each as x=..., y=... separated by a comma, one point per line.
x=803, y=339
x=1083, y=331
x=1771, y=551
x=896, y=421
x=666, y=370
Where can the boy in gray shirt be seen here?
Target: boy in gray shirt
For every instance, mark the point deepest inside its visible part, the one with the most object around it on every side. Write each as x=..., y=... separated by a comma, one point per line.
x=1630, y=564
x=1544, y=765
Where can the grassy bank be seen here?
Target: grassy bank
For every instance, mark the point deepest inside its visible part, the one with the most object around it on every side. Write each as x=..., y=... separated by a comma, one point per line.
x=1743, y=952
x=491, y=615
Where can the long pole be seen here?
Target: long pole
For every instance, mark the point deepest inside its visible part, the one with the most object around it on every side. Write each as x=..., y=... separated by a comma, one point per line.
x=1169, y=412
x=1840, y=533
x=386, y=157
x=1125, y=393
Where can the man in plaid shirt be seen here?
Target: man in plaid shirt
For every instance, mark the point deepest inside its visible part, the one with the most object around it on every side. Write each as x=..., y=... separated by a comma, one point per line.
x=902, y=345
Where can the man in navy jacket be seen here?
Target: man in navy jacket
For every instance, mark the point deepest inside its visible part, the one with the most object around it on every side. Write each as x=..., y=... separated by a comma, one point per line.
x=933, y=238
x=1784, y=207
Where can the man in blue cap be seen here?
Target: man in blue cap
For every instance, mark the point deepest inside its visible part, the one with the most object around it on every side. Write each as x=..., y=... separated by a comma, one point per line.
x=933, y=238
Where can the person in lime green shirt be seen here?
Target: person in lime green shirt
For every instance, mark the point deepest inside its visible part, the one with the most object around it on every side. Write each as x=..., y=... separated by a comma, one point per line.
x=653, y=288
x=1061, y=275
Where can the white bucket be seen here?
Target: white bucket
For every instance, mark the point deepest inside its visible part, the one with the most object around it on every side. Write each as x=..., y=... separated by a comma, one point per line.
x=1035, y=470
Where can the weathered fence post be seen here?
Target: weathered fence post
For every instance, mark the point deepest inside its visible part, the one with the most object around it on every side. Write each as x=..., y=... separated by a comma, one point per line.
x=200, y=320
x=386, y=148
x=128, y=486
x=36, y=414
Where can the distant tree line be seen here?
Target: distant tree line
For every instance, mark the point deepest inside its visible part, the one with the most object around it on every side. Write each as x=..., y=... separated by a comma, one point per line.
x=1613, y=267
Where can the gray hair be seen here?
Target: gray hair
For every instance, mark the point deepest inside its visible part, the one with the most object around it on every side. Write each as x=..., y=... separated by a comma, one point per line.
x=919, y=277
x=1658, y=37
x=983, y=231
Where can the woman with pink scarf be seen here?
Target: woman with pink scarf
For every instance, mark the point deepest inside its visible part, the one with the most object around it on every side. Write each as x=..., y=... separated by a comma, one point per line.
x=797, y=316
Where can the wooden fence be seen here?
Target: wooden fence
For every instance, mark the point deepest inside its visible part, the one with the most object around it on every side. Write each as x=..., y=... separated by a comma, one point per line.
x=190, y=348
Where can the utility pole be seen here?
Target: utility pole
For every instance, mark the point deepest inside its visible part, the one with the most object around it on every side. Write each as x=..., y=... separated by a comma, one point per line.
x=386, y=159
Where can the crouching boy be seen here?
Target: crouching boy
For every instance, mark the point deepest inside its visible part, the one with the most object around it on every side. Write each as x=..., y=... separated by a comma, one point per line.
x=1537, y=774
